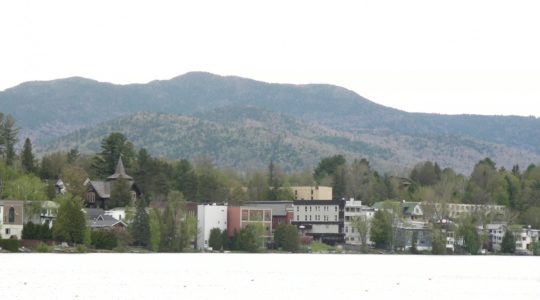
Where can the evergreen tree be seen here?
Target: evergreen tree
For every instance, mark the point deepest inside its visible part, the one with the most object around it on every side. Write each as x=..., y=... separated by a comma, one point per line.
x=120, y=194
x=112, y=147
x=141, y=226
x=70, y=223
x=508, y=244
x=73, y=155
x=248, y=239
x=215, y=241
x=27, y=157
x=8, y=138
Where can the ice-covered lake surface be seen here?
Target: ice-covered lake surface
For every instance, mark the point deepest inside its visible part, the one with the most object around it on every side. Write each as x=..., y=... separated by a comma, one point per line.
x=267, y=276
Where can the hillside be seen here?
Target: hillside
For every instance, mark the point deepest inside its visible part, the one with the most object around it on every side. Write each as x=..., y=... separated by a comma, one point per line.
x=350, y=124
x=248, y=138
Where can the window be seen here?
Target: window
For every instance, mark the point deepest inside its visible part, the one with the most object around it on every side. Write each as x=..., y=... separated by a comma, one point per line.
x=305, y=218
x=11, y=216
x=8, y=231
x=298, y=208
x=305, y=207
x=310, y=217
x=297, y=218
x=335, y=218
x=335, y=207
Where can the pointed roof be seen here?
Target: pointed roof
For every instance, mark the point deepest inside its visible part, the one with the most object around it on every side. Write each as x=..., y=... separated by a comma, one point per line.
x=120, y=171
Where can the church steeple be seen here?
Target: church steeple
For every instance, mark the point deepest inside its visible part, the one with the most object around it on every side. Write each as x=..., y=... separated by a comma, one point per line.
x=120, y=171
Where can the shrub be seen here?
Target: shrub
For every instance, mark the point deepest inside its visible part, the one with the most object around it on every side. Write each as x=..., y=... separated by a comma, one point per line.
x=43, y=248
x=10, y=245
x=104, y=239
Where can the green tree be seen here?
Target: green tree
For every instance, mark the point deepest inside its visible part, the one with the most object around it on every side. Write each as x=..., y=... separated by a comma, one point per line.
x=170, y=223
x=185, y=179
x=438, y=245
x=70, y=223
x=333, y=167
x=362, y=225
x=120, y=194
x=508, y=244
x=215, y=240
x=286, y=237
x=26, y=187
x=8, y=138
x=381, y=232
x=27, y=157
x=73, y=155
x=248, y=238
x=113, y=147
x=140, y=228
x=471, y=239
x=155, y=230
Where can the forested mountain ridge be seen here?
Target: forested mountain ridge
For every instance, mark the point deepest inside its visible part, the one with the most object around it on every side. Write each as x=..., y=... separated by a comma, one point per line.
x=248, y=138
x=330, y=119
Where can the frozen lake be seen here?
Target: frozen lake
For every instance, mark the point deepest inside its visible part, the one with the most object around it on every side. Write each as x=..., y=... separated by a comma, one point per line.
x=267, y=276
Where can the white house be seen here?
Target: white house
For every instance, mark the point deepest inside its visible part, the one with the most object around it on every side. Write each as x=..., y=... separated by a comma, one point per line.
x=209, y=217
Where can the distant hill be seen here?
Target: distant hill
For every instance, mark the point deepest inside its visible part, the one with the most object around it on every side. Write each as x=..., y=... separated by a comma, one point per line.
x=328, y=118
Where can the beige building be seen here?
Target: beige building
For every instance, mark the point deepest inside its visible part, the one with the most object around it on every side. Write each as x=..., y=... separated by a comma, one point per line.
x=312, y=192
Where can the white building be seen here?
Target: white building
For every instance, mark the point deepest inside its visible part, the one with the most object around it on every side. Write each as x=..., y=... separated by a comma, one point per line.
x=321, y=219
x=525, y=238
x=209, y=217
x=355, y=210
x=495, y=234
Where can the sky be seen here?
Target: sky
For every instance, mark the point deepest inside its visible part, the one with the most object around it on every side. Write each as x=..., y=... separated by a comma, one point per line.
x=449, y=57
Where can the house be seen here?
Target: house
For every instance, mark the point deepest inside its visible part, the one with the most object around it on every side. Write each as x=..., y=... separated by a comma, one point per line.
x=353, y=211
x=412, y=210
x=320, y=219
x=209, y=217
x=282, y=211
x=97, y=219
x=525, y=239
x=495, y=234
x=12, y=220
x=99, y=192
x=312, y=192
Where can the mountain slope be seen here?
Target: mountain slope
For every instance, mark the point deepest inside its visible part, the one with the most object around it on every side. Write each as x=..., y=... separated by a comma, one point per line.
x=248, y=138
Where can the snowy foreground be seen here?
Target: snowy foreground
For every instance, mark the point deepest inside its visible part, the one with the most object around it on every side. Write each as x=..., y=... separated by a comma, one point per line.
x=266, y=276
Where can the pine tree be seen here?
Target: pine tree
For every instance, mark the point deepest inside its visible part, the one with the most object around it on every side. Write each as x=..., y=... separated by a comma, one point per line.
x=508, y=244
x=27, y=157
x=215, y=241
x=8, y=138
x=141, y=226
x=112, y=147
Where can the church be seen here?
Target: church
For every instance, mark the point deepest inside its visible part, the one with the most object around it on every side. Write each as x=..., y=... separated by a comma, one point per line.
x=98, y=193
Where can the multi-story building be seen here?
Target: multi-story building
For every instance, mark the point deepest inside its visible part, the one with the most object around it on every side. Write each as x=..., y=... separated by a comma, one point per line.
x=525, y=238
x=282, y=211
x=12, y=221
x=241, y=216
x=321, y=219
x=312, y=192
x=354, y=212
x=495, y=234
x=209, y=217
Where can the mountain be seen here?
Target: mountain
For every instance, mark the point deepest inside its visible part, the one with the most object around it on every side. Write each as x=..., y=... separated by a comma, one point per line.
x=326, y=119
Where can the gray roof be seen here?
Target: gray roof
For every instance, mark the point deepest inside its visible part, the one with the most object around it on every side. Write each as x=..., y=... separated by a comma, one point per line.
x=106, y=223
x=94, y=213
x=103, y=188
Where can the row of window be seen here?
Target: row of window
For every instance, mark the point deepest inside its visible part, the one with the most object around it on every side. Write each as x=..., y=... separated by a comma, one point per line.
x=317, y=208
x=317, y=218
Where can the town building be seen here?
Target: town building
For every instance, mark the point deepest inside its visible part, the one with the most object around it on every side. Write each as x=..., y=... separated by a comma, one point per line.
x=312, y=192
x=210, y=216
x=12, y=221
x=495, y=234
x=241, y=216
x=525, y=239
x=321, y=219
x=99, y=191
x=282, y=211
x=414, y=234
x=354, y=211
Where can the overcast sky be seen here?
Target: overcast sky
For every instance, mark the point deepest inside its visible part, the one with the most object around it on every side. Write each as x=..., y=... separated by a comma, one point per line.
x=457, y=56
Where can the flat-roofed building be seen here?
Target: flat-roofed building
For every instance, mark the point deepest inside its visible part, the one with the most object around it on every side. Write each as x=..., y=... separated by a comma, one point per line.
x=209, y=217
x=321, y=219
x=241, y=216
